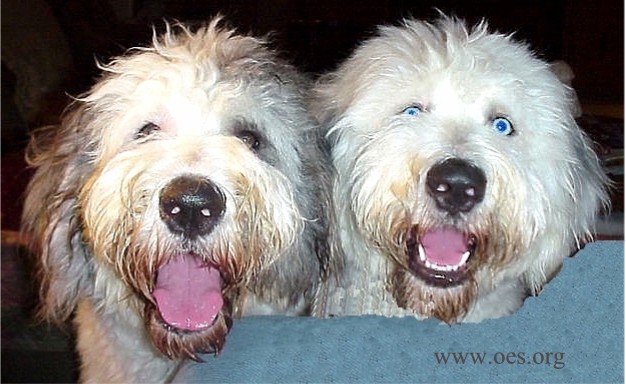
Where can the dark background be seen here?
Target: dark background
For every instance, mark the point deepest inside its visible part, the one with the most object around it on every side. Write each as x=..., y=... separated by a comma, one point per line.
x=314, y=35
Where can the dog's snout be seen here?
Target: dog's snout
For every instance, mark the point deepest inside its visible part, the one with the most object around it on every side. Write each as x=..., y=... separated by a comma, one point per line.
x=191, y=205
x=456, y=185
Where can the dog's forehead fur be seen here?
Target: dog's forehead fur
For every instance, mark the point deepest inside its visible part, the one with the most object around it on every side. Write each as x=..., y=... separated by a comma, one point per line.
x=441, y=65
x=181, y=50
x=198, y=84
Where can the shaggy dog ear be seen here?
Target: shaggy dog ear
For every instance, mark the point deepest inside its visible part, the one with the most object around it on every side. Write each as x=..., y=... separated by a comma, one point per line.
x=328, y=104
x=586, y=189
x=50, y=220
x=331, y=98
x=564, y=72
x=328, y=247
x=327, y=242
x=322, y=103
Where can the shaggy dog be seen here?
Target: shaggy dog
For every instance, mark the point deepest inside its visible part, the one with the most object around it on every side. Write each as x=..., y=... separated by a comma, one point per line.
x=462, y=178
x=184, y=189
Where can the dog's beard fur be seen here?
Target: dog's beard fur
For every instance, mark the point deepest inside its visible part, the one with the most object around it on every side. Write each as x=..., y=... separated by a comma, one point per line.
x=261, y=222
x=417, y=96
x=205, y=107
x=394, y=224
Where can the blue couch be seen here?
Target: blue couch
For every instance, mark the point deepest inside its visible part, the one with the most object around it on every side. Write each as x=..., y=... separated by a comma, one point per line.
x=572, y=332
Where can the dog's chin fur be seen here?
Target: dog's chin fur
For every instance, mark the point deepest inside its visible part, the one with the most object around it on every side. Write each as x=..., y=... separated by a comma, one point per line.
x=447, y=304
x=176, y=344
x=414, y=97
x=209, y=107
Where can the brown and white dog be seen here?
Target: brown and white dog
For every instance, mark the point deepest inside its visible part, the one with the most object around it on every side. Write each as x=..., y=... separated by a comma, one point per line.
x=184, y=189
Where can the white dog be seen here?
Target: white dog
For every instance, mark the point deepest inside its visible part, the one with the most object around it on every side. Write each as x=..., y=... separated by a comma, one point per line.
x=462, y=179
x=185, y=188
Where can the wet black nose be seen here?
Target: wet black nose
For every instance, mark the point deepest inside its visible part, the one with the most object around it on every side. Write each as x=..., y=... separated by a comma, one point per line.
x=191, y=205
x=456, y=185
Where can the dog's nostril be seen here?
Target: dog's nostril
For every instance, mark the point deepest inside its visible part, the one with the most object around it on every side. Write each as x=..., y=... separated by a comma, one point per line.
x=191, y=205
x=456, y=185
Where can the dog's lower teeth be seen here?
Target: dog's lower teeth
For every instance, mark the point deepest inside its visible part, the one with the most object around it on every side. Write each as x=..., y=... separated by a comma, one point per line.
x=444, y=268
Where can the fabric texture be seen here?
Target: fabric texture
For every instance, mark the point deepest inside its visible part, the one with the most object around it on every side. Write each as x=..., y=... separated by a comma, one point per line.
x=572, y=332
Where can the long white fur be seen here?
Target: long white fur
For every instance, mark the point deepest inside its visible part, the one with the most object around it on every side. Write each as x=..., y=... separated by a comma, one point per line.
x=545, y=185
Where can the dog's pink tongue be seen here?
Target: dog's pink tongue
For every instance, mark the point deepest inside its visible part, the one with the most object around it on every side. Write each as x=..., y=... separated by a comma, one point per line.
x=444, y=246
x=188, y=292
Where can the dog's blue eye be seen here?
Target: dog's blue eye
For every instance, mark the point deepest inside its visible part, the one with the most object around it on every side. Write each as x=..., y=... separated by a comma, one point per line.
x=413, y=110
x=503, y=126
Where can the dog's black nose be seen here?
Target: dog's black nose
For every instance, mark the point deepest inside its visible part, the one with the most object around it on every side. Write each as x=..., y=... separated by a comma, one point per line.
x=191, y=205
x=456, y=185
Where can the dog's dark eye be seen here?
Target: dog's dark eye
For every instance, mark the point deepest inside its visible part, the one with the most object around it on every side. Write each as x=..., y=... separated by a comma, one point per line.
x=413, y=110
x=503, y=126
x=249, y=138
x=146, y=130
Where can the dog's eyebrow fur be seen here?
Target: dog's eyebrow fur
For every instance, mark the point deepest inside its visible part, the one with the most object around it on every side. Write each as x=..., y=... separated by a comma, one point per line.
x=241, y=124
x=266, y=150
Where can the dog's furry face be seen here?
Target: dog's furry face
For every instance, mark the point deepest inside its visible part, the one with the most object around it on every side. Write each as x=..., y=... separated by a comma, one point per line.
x=188, y=158
x=458, y=159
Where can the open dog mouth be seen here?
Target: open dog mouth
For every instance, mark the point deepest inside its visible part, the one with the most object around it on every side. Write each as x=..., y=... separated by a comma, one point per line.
x=441, y=256
x=188, y=293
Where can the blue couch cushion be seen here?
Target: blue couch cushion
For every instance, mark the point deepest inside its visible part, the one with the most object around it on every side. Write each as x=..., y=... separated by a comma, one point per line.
x=572, y=332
